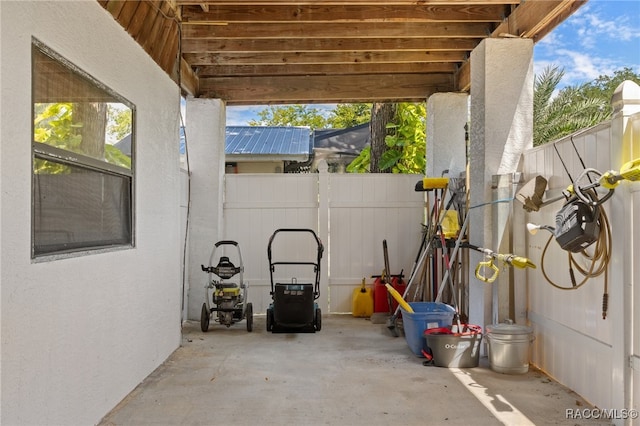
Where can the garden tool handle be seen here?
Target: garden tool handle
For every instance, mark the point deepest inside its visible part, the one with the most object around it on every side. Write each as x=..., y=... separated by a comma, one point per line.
x=399, y=298
x=629, y=171
x=517, y=261
x=487, y=264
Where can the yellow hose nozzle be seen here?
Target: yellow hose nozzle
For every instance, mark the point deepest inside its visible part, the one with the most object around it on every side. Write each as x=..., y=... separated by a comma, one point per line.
x=517, y=261
x=522, y=262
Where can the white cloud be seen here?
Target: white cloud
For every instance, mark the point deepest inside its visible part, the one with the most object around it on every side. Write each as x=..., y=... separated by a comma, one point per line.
x=241, y=115
x=599, y=39
x=592, y=25
x=580, y=67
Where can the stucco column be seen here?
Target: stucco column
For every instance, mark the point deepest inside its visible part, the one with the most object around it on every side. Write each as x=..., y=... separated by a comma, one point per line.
x=205, y=132
x=447, y=114
x=501, y=129
x=625, y=146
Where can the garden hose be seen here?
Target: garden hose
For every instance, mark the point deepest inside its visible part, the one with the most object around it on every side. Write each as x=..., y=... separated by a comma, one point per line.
x=599, y=261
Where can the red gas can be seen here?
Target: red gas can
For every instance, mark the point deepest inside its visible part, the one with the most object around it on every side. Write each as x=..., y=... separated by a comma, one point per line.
x=381, y=296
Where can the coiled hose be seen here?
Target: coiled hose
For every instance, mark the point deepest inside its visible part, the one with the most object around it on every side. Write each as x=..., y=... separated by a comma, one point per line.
x=599, y=259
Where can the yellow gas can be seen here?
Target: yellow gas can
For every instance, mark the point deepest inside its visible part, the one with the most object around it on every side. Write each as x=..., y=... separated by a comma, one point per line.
x=362, y=301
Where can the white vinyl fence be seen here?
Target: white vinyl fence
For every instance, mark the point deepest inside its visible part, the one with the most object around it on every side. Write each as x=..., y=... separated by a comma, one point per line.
x=351, y=213
x=598, y=358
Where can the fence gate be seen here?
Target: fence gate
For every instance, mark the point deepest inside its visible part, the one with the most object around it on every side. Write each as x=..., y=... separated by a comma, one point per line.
x=351, y=213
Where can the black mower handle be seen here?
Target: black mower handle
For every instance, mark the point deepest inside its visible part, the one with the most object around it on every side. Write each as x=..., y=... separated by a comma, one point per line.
x=226, y=242
x=311, y=231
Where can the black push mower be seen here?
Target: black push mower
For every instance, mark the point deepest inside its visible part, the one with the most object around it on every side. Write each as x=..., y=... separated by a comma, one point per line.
x=229, y=299
x=294, y=308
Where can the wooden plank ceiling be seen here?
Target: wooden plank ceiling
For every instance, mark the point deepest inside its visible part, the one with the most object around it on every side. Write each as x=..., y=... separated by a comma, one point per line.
x=326, y=51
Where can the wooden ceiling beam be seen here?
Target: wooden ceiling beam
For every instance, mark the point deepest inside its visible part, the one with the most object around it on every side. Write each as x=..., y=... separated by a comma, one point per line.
x=324, y=69
x=345, y=13
x=340, y=2
x=533, y=19
x=287, y=51
x=279, y=58
x=304, y=89
x=536, y=18
x=189, y=81
x=336, y=30
x=328, y=44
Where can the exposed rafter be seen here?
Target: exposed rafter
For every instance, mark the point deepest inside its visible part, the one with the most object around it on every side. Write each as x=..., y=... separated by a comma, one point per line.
x=283, y=51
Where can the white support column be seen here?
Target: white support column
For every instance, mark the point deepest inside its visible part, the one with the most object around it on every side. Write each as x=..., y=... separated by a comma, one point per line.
x=625, y=146
x=205, y=132
x=501, y=129
x=447, y=114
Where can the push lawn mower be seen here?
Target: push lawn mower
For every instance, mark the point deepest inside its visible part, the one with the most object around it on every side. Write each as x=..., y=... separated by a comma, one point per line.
x=294, y=308
x=230, y=299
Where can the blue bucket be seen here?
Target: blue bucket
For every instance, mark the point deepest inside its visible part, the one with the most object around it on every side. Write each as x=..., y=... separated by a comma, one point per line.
x=425, y=315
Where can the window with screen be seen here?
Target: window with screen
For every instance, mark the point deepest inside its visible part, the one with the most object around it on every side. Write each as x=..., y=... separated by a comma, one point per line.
x=82, y=163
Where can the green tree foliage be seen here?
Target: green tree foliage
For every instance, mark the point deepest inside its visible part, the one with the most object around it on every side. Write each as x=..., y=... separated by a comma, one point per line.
x=291, y=115
x=604, y=86
x=342, y=116
x=405, y=142
x=119, y=124
x=55, y=125
x=349, y=115
x=574, y=107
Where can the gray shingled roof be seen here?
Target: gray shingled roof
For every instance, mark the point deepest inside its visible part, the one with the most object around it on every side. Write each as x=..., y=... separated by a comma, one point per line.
x=257, y=140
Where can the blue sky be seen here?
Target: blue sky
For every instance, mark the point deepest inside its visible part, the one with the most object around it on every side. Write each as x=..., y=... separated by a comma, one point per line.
x=601, y=37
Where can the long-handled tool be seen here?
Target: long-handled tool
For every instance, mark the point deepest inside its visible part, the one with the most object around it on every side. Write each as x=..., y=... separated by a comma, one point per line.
x=386, y=278
x=447, y=265
x=401, y=302
x=426, y=184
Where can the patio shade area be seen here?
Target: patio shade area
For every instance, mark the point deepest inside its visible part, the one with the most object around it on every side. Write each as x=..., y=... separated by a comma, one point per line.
x=256, y=52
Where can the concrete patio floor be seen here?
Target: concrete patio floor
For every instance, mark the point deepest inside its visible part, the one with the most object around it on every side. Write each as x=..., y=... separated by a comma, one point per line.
x=352, y=372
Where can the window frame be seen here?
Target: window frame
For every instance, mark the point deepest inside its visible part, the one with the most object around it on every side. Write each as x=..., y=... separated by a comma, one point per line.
x=62, y=156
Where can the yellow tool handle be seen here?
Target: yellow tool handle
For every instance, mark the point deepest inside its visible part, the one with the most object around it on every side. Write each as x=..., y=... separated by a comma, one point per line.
x=399, y=298
x=629, y=171
x=487, y=264
x=435, y=182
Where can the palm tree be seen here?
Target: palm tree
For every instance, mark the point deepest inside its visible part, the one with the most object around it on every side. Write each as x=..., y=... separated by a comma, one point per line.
x=567, y=112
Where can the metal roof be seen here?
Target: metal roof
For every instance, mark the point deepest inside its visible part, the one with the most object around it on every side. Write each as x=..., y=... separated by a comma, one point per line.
x=259, y=140
x=346, y=141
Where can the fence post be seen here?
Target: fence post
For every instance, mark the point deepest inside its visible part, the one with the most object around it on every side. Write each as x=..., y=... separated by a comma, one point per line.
x=625, y=146
x=323, y=229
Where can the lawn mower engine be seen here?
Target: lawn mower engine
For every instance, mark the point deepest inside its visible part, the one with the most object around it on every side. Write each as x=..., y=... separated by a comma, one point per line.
x=227, y=297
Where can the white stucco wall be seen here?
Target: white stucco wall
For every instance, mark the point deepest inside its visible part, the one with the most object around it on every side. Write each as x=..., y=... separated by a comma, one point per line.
x=205, y=130
x=501, y=128
x=447, y=114
x=78, y=334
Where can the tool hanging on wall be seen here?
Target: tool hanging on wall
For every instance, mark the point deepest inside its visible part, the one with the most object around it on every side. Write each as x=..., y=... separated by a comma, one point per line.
x=506, y=259
x=580, y=222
